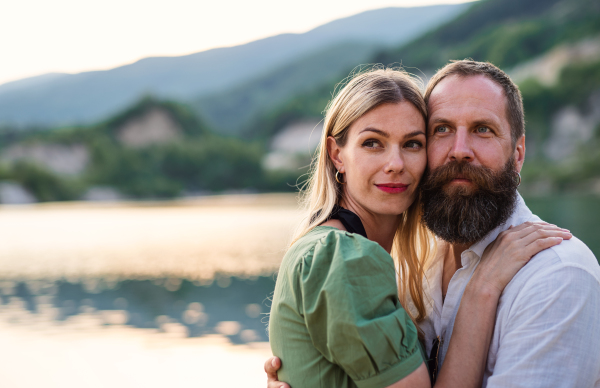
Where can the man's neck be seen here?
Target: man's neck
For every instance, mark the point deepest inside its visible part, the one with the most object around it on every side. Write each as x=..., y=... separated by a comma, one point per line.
x=456, y=251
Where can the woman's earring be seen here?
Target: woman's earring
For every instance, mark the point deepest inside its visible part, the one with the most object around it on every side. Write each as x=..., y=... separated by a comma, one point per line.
x=337, y=178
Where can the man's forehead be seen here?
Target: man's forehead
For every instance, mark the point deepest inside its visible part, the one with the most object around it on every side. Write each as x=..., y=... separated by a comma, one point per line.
x=473, y=91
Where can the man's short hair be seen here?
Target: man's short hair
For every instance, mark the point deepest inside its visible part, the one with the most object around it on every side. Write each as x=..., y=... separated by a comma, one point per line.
x=514, y=101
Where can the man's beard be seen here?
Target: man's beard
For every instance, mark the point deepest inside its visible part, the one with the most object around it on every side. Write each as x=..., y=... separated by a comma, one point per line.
x=465, y=215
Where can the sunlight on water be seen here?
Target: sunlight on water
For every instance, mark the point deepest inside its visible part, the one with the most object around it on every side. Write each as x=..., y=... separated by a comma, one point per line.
x=237, y=236
x=81, y=353
x=140, y=295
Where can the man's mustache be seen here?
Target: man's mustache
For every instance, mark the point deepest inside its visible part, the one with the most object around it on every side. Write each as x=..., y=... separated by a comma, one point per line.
x=482, y=177
x=465, y=215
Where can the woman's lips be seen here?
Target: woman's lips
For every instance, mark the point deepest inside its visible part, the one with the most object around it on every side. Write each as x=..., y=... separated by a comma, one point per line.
x=392, y=188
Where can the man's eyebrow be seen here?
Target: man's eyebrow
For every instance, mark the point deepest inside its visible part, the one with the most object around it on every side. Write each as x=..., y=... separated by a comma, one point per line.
x=438, y=120
x=485, y=122
x=378, y=131
x=442, y=120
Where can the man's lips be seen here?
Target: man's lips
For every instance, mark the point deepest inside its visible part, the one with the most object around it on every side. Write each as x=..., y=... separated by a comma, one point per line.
x=460, y=179
x=392, y=188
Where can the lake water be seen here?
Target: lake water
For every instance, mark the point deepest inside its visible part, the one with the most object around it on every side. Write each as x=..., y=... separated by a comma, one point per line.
x=157, y=294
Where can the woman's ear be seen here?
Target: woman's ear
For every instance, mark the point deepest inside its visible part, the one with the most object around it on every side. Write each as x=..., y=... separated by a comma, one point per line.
x=334, y=151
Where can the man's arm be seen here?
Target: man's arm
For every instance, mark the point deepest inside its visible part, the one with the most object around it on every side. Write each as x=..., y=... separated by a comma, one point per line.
x=552, y=334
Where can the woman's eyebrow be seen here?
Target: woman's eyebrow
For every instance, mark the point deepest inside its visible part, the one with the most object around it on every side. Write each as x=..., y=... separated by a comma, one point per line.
x=414, y=133
x=385, y=134
x=378, y=131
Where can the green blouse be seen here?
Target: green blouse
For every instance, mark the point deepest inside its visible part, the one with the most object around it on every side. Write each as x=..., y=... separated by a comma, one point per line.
x=335, y=318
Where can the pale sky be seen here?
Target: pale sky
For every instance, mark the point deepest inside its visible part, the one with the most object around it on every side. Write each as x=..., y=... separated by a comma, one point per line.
x=70, y=36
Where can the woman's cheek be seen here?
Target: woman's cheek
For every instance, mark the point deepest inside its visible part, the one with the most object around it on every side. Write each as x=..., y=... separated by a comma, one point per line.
x=416, y=163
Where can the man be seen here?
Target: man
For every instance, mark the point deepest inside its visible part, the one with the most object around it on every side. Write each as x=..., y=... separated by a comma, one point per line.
x=547, y=331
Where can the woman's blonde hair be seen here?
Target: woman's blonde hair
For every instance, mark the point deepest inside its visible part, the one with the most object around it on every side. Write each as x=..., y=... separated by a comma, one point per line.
x=413, y=243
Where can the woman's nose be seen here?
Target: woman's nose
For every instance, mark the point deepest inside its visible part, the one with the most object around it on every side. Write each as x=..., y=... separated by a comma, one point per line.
x=395, y=163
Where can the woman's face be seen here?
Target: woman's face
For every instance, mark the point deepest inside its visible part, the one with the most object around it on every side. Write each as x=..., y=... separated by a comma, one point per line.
x=383, y=159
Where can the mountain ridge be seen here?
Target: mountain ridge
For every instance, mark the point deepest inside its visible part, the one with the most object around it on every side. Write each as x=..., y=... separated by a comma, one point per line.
x=67, y=99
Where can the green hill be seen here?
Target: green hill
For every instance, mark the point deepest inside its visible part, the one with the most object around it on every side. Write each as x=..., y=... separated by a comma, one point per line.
x=232, y=109
x=503, y=32
x=154, y=149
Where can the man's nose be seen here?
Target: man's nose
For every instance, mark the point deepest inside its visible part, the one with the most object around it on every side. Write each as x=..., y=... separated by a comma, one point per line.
x=461, y=150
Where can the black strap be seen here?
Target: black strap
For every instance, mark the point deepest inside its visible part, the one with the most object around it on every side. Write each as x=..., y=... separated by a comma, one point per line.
x=349, y=219
x=433, y=361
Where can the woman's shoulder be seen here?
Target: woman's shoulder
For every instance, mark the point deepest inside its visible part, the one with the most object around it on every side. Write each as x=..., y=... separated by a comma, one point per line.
x=328, y=235
x=305, y=245
x=326, y=244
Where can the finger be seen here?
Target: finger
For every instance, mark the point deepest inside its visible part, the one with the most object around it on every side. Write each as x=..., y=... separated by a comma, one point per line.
x=532, y=229
x=277, y=384
x=527, y=224
x=528, y=227
x=271, y=366
x=540, y=244
x=545, y=233
x=515, y=231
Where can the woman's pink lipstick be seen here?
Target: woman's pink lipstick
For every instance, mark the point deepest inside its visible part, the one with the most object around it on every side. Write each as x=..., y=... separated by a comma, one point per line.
x=392, y=188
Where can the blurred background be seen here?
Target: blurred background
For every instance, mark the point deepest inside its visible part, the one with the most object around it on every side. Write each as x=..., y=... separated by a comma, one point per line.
x=150, y=155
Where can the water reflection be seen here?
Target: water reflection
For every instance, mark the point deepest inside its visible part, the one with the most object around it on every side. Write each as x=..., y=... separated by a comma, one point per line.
x=230, y=306
x=127, y=295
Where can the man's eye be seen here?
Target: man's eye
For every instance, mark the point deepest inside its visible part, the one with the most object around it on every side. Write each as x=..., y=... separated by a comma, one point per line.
x=442, y=129
x=371, y=144
x=414, y=145
x=483, y=130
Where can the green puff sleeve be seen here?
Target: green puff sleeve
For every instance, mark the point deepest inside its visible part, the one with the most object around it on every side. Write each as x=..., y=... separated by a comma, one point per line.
x=351, y=309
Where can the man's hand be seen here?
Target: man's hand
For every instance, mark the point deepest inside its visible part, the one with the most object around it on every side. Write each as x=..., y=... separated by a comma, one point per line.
x=272, y=365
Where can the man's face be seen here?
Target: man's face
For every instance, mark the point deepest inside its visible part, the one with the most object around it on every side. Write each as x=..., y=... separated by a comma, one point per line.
x=468, y=123
x=470, y=185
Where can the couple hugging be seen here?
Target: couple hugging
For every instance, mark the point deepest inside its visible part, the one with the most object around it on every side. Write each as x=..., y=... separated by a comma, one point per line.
x=418, y=262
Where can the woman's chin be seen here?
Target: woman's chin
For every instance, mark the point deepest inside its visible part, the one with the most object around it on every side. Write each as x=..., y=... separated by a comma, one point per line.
x=392, y=207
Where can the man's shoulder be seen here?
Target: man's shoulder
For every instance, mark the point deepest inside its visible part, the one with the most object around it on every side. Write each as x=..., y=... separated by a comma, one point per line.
x=559, y=278
x=552, y=265
x=573, y=253
x=569, y=253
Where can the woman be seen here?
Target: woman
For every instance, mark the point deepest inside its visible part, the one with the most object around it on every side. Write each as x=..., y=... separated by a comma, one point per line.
x=336, y=320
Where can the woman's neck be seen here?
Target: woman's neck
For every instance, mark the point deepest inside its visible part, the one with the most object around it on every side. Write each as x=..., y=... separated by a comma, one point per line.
x=380, y=228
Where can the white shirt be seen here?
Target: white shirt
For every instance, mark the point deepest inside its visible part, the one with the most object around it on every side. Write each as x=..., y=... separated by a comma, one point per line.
x=547, y=331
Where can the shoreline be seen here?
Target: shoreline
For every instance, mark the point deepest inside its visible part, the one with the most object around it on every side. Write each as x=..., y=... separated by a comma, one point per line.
x=217, y=200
